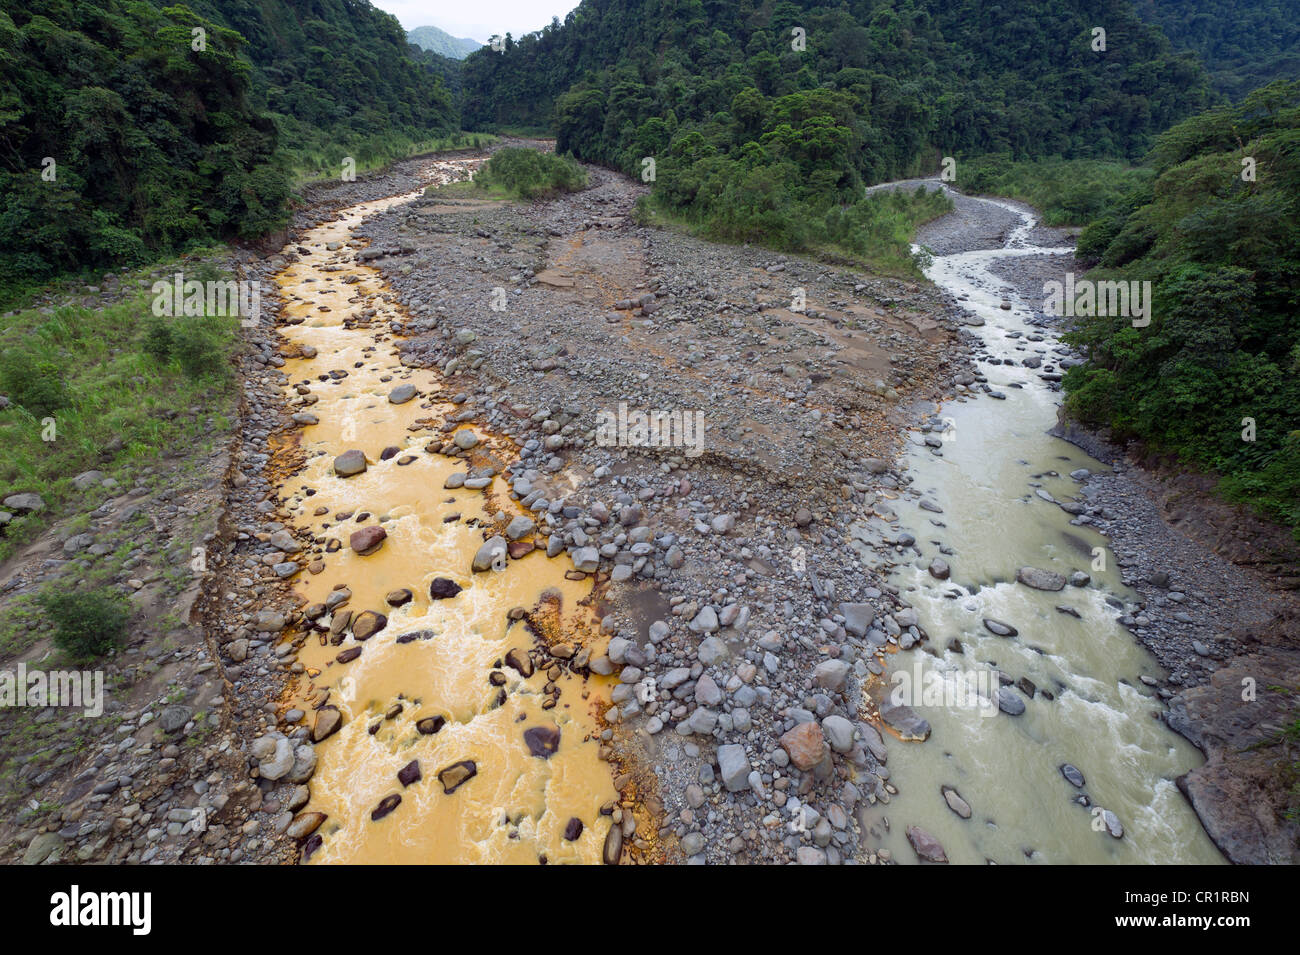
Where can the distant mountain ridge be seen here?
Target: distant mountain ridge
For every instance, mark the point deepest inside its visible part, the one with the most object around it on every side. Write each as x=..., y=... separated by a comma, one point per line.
x=441, y=42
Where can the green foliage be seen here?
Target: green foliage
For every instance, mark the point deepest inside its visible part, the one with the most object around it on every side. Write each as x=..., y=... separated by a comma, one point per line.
x=87, y=623
x=199, y=346
x=339, y=78
x=159, y=147
x=882, y=88
x=1244, y=45
x=530, y=174
x=441, y=42
x=1065, y=191
x=154, y=145
x=32, y=381
x=1223, y=256
x=756, y=141
x=158, y=339
x=123, y=400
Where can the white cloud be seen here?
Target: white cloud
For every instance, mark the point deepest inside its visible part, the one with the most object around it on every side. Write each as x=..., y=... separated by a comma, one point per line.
x=479, y=19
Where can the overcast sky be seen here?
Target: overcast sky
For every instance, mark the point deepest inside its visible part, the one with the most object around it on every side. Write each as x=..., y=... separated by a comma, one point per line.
x=477, y=19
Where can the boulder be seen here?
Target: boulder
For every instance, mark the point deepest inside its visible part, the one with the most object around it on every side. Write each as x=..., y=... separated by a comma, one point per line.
x=386, y=805
x=410, y=773
x=456, y=775
x=368, y=623
x=492, y=553
x=277, y=765
x=442, y=588
x=328, y=722
x=904, y=721
x=858, y=617
x=734, y=767
x=402, y=394
x=304, y=824
x=927, y=847
x=831, y=675
x=1040, y=579
x=520, y=526
x=1010, y=702
x=24, y=503
x=368, y=539
x=805, y=744
x=953, y=798
x=542, y=741
x=998, y=628
x=349, y=463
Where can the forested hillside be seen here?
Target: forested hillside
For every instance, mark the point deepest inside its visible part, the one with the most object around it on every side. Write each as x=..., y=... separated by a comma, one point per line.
x=335, y=74
x=125, y=134
x=1244, y=45
x=118, y=139
x=441, y=42
x=1220, y=242
x=903, y=82
x=765, y=121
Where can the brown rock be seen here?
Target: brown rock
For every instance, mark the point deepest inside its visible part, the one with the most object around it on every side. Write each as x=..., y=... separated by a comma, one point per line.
x=398, y=598
x=348, y=655
x=368, y=539
x=613, y=845
x=521, y=661
x=368, y=623
x=430, y=725
x=572, y=829
x=349, y=463
x=314, y=842
x=457, y=775
x=806, y=745
x=328, y=722
x=415, y=635
x=444, y=587
x=304, y=824
x=386, y=805
x=410, y=773
x=339, y=621
x=542, y=741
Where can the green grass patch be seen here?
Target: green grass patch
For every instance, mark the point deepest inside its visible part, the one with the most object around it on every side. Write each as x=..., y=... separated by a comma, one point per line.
x=108, y=389
x=1068, y=192
x=469, y=189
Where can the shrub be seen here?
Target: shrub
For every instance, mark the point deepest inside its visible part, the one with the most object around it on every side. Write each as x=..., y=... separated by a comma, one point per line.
x=158, y=342
x=87, y=623
x=197, y=345
x=530, y=174
x=34, y=382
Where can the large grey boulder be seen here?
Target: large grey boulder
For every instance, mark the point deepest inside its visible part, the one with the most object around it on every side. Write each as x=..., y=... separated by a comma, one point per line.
x=734, y=767
x=1040, y=579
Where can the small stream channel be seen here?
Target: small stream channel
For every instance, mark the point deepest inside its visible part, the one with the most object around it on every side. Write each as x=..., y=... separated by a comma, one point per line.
x=995, y=478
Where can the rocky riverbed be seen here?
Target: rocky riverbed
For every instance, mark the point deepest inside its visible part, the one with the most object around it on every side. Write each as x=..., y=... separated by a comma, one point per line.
x=741, y=608
x=739, y=617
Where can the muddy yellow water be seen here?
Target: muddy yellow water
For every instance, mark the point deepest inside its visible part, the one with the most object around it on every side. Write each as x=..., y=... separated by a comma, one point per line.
x=516, y=808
